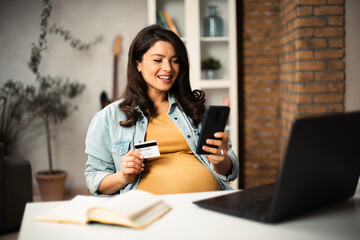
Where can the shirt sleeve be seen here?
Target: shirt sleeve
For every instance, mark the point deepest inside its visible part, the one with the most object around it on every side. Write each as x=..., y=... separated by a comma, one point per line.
x=234, y=173
x=100, y=162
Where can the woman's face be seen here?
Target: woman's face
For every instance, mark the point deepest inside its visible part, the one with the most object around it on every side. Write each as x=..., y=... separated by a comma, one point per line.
x=159, y=68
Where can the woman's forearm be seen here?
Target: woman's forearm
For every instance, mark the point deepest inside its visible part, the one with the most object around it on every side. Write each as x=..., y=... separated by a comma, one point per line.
x=112, y=183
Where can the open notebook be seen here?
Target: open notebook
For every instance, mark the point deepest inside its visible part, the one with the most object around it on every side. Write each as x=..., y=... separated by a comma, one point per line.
x=321, y=166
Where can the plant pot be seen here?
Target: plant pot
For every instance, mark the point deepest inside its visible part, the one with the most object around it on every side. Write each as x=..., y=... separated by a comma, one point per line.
x=211, y=73
x=15, y=191
x=52, y=186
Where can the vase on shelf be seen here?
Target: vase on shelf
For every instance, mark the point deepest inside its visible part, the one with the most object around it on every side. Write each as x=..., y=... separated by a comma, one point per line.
x=211, y=74
x=213, y=24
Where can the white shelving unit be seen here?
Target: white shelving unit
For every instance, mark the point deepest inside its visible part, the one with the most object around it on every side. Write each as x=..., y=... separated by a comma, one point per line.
x=188, y=17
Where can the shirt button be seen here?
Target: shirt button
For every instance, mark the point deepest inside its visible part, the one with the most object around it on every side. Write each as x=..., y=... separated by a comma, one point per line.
x=188, y=136
x=175, y=118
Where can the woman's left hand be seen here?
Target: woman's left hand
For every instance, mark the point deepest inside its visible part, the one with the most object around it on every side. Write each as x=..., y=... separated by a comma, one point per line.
x=218, y=156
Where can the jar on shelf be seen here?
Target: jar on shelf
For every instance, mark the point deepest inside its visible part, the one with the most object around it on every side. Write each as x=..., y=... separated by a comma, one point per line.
x=213, y=24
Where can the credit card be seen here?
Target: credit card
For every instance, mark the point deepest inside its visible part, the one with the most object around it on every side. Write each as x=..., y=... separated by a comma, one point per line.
x=148, y=149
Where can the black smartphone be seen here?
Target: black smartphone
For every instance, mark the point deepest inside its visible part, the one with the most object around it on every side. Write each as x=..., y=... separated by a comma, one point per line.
x=215, y=119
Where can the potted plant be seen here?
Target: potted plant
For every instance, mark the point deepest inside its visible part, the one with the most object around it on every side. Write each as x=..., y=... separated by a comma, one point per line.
x=50, y=103
x=49, y=100
x=210, y=66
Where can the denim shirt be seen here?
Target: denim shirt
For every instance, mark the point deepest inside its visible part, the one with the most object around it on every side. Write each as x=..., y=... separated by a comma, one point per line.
x=107, y=142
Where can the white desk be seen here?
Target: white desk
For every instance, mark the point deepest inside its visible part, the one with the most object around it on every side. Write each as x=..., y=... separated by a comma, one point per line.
x=187, y=221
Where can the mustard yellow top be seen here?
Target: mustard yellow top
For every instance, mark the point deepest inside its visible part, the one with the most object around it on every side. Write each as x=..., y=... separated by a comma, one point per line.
x=177, y=170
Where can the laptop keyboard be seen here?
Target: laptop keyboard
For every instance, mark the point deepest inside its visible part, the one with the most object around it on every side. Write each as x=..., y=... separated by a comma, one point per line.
x=253, y=203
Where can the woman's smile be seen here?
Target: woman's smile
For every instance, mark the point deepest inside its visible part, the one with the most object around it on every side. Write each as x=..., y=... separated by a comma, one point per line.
x=165, y=78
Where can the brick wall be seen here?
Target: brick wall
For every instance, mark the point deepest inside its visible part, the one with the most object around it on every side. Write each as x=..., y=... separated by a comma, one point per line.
x=261, y=32
x=311, y=59
x=293, y=66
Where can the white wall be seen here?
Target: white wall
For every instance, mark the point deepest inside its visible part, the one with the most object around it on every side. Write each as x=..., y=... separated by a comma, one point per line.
x=352, y=55
x=20, y=26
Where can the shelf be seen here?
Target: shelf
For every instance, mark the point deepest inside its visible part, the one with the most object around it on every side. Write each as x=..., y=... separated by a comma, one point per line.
x=214, y=83
x=214, y=39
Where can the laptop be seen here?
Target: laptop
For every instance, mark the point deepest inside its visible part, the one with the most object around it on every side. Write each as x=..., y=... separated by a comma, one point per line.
x=321, y=166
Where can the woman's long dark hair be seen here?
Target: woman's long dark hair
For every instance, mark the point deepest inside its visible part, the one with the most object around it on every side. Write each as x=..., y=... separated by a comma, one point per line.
x=136, y=91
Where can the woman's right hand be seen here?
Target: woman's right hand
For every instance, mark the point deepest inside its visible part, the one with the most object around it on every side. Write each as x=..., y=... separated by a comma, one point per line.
x=131, y=165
